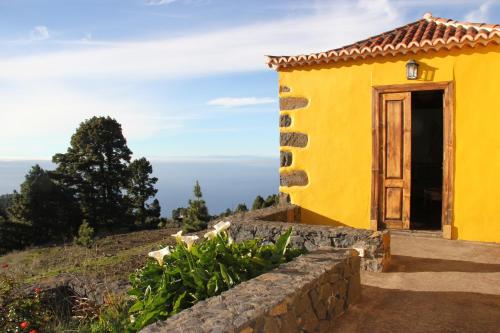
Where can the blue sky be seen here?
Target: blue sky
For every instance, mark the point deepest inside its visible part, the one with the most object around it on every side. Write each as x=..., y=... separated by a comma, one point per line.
x=186, y=78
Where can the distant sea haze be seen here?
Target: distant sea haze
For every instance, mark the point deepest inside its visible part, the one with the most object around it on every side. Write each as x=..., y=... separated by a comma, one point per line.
x=225, y=182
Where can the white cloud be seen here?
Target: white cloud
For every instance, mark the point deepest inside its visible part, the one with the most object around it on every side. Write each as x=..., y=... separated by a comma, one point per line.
x=481, y=14
x=87, y=37
x=40, y=32
x=159, y=2
x=42, y=108
x=237, y=49
x=53, y=112
x=240, y=101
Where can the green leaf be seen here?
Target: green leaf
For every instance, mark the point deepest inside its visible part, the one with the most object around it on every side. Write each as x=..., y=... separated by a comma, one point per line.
x=178, y=302
x=225, y=276
x=137, y=306
x=283, y=241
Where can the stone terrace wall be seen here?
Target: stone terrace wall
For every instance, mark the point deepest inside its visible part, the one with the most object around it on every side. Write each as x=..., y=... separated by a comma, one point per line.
x=373, y=247
x=304, y=295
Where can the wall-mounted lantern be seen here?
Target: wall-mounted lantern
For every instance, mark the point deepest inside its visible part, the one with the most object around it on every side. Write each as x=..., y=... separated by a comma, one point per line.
x=411, y=70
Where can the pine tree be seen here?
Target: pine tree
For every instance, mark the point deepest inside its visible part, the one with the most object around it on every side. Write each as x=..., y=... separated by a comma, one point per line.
x=140, y=189
x=197, y=212
x=46, y=206
x=241, y=208
x=271, y=200
x=95, y=169
x=258, y=203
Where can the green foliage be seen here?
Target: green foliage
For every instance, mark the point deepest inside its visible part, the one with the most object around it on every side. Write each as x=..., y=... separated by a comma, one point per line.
x=189, y=276
x=5, y=202
x=21, y=312
x=15, y=236
x=179, y=213
x=140, y=189
x=197, y=213
x=85, y=235
x=241, y=208
x=46, y=206
x=95, y=168
x=271, y=200
x=258, y=203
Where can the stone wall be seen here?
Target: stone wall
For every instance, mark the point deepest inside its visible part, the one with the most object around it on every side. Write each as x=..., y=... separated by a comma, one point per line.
x=268, y=224
x=304, y=295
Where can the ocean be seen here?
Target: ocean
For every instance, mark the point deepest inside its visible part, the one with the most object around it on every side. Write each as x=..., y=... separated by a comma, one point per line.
x=225, y=181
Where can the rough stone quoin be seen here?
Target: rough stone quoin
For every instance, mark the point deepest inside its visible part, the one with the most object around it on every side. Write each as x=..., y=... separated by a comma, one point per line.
x=285, y=120
x=284, y=198
x=285, y=158
x=292, y=103
x=284, y=89
x=294, y=178
x=293, y=139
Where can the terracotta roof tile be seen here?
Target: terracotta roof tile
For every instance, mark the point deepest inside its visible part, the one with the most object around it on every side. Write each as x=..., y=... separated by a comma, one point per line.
x=429, y=33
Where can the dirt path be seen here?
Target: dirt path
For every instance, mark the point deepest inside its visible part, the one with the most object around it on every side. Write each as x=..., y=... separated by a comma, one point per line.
x=433, y=285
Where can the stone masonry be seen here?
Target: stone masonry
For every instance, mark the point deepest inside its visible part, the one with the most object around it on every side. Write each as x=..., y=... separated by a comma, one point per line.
x=293, y=139
x=285, y=158
x=285, y=120
x=294, y=178
x=269, y=223
x=304, y=295
x=292, y=103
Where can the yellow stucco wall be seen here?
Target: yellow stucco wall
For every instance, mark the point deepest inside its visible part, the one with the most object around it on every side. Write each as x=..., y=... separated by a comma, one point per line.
x=337, y=120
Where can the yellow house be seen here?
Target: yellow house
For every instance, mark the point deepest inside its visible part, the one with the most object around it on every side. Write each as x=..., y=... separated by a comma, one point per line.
x=398, y=131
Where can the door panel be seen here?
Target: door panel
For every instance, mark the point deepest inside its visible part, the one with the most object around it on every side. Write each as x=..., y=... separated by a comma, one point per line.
x=396, y=151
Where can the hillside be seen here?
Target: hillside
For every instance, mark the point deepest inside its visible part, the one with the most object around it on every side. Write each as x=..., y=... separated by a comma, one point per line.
x=105, y=266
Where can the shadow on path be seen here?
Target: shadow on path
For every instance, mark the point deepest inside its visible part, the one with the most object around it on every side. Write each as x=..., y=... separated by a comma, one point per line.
x=389, y=310
x=414, y=264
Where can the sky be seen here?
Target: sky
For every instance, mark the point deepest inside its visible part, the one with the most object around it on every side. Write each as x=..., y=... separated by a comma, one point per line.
x=186, y=79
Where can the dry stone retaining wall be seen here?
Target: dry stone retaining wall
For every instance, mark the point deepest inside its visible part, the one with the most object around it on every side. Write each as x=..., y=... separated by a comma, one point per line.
x=304, y=295
x=268, y=224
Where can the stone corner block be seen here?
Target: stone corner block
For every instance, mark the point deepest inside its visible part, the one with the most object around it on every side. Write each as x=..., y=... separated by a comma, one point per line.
x=294, y=178
x=292, y=103
x=293, y=139
x=286, y=158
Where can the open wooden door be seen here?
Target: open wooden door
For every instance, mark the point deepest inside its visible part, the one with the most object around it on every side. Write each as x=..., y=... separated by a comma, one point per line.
x=396, y=159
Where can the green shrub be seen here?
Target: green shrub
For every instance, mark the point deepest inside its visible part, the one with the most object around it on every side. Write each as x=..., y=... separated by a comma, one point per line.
x=19, y=311
x=191, y=272
x=85, y=235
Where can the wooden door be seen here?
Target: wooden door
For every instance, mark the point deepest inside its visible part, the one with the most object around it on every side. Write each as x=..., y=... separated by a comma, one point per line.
x=396, y=159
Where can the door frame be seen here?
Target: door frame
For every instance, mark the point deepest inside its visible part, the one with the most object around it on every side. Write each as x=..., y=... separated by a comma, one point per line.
x=448, y=149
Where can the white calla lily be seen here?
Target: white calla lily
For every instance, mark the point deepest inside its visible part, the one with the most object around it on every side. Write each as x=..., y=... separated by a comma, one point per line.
x=211, y=234
x=221, y=226
x=158, y=255
x=178, y=235
x=189, y=240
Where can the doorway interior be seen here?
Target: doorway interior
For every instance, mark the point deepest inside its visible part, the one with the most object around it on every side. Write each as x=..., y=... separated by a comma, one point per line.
x=394, y=191
x=426, y=160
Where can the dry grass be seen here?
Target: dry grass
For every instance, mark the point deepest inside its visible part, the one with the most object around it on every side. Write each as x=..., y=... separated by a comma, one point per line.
x=110, y=260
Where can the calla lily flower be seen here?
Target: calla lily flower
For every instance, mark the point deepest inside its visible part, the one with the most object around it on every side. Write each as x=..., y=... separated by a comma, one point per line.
x=158, y=255
x=189, y=240
x=211, y=234
x=221, y=226
x=178, y=235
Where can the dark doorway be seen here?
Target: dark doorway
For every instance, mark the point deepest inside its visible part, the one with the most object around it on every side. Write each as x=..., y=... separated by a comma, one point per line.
x=426, y=159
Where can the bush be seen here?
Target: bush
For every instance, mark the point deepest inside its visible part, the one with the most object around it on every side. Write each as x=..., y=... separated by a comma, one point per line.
x=85, y=235
x=20, y=312
x=190, y=272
